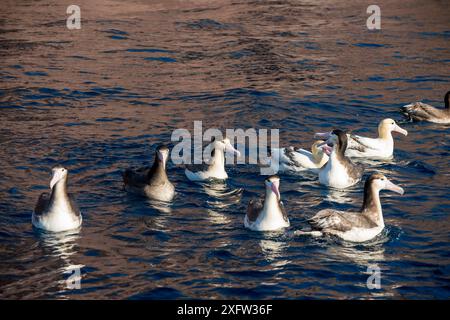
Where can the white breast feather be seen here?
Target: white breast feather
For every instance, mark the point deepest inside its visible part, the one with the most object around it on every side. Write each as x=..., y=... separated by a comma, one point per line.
x=335, y=175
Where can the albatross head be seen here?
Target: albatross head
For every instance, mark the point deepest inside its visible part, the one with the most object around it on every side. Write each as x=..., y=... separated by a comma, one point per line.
x=226, y=146
x=318, y=150
x=379, y=182
x=336, y=138
x=273, y=184
x=386, y=126
x=163, y=154
x=58, y=173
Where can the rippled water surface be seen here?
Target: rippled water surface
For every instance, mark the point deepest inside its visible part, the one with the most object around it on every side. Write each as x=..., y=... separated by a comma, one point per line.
x=99, y=99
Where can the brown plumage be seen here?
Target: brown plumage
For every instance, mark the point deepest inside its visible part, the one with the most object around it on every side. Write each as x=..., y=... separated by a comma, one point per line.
x=368, y=217
x=254, y=208
x=151, y=181
x=151, y=176
x=420, y=111
x=342, y=221
x=355, y=171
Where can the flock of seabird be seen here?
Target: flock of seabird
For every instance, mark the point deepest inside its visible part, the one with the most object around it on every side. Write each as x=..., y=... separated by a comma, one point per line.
x=330, y=159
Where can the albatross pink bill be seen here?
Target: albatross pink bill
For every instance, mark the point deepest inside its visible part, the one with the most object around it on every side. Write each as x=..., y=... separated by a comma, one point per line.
x=400, y=130
x=393, y=187
x=275, y=190
x=322, y=135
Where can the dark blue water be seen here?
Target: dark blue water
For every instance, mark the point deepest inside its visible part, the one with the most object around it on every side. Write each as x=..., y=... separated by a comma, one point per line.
x=99, y=99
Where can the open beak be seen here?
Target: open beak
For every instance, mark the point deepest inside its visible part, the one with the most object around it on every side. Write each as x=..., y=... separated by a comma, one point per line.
x=393, y=187
x=400, y=130
x=322, y=135
x=327, y=149
x=326, y=145
x=230, y=148
x=275, y=190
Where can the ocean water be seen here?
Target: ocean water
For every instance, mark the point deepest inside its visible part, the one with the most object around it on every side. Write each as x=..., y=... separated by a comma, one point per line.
x=99, y=99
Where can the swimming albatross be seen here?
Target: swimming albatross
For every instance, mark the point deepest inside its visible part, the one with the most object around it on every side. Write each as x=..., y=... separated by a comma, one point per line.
x=339, y=172
x=267, y=214
x=292, y=159
x=419, y=111
x=57, y=211
x=381, y=147
x=215, y=169
x=359, y=226
x=151, y=181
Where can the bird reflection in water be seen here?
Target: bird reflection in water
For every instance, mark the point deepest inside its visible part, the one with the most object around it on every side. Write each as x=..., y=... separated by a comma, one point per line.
x=368, y=256
x=161, y=206
x=273, y=250
x=63, y=245
x=364, y=254
x=217, y=218
x=221, y=195
x=339, y=196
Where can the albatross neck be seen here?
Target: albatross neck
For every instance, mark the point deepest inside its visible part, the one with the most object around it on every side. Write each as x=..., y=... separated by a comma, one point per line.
x=385, y=134
x=157, y=171
x=320, y=158
x=218, y=160
x=371, y=205
x=271, y=205
x=59, y=191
